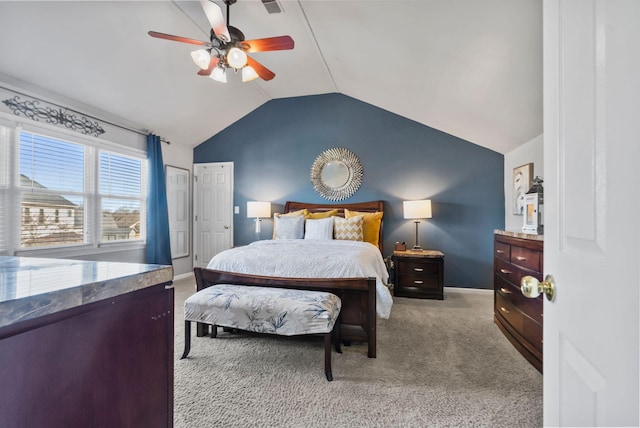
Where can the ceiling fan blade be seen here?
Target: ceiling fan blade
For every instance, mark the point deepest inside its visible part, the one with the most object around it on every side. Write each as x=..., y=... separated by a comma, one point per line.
x=212, y=64
x=263, y=72
x=178, y=39
x=279, y=43
x=216, y=19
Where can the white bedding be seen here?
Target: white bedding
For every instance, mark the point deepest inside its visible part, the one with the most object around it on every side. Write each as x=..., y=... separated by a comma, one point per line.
x=304, y=258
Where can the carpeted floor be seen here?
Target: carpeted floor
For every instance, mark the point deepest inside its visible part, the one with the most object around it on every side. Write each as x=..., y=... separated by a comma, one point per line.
x=440, y=364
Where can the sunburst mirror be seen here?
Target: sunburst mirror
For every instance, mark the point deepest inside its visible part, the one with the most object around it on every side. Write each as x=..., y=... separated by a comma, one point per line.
x=336, y=174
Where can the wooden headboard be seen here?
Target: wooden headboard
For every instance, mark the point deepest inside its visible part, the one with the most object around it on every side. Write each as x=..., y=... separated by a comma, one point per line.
x=369, y=207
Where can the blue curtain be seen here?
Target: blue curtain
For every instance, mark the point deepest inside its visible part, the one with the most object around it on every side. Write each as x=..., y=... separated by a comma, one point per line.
x=158, y=244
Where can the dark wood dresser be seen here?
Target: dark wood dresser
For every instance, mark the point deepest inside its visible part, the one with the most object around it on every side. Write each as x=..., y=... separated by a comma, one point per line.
x=517, y=255
x=419, y=274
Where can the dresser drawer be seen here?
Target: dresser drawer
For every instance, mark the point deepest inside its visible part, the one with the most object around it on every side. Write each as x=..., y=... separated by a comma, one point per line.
x=513, y=294
x=510, y=313
x=526, y=258
x=532, y=332
x=422, y=282
x=502, y=251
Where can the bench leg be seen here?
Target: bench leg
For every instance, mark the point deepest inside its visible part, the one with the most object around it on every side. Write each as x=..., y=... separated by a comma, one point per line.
x=327, y=356
x=187, y=339
x=214, y=331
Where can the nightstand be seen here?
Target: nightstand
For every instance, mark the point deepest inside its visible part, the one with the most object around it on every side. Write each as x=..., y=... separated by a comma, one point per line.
x=419, y=274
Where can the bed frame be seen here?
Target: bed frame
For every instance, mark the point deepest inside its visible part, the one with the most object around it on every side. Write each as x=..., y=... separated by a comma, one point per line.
x=358, y=313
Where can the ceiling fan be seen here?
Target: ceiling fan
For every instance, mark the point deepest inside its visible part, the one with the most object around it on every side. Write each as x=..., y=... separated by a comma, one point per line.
x=227, y=47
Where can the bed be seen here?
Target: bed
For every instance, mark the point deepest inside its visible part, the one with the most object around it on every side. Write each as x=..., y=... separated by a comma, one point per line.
x=318, y=265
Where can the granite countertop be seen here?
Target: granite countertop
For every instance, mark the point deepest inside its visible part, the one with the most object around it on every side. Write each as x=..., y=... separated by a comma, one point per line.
x=521, y=235
x=33, y=287
x=419, y=253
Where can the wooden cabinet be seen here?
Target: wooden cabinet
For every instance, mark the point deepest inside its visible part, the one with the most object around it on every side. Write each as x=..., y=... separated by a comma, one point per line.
x=518, y=317
x=419, y=274
x=107, y=363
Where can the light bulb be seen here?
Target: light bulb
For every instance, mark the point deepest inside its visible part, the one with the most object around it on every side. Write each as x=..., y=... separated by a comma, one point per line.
x=248, y=73
x=236, y=58
x=218, y=74
x=202, y=58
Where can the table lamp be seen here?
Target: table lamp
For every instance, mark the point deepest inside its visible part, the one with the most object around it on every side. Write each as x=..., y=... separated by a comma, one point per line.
x=417, y=210
x=258, y=210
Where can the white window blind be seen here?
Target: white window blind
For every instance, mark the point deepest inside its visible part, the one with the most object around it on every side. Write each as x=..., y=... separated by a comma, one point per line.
x=52, y=191
x=121, y=196
x=5, y=139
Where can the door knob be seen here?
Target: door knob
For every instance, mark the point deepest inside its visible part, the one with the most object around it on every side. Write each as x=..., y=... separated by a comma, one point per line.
x=226, y=226
x=532, y=288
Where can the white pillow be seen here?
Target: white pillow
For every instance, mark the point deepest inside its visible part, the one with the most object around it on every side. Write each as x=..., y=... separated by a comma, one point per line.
x=289, y=227
x=319, y=228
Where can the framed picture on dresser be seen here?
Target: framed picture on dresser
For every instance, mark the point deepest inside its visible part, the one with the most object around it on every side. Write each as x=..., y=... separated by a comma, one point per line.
x=522, y=180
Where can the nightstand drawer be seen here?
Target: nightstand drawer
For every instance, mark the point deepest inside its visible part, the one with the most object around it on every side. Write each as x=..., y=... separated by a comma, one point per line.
x=425, y=282
x=417, y=268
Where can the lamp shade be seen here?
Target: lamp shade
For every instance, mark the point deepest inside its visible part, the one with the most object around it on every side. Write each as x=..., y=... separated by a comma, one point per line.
x=258, y=209
x=417, y=209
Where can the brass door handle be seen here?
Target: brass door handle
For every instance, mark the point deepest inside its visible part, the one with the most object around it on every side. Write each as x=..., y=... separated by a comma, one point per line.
x=503, y=309
x=532, y=288
x=504, y=290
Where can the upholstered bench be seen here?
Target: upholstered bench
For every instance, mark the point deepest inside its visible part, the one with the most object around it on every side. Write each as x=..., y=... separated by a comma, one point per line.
x=280, y=311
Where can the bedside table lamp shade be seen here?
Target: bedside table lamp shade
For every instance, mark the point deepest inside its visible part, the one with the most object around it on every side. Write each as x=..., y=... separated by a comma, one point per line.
x=258, y=210
x=417, y=210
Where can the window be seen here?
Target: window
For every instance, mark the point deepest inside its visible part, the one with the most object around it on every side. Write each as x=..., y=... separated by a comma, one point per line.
x=121, y=196
x=69, y=193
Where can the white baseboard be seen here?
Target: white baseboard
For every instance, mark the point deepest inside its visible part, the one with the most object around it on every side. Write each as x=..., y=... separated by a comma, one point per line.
x=467, y=290
x=183, y=276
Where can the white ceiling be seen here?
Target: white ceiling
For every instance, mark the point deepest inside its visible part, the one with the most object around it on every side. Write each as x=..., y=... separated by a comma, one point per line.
x=471, y=68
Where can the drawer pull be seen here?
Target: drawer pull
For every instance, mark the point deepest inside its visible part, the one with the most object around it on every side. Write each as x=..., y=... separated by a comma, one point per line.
x=507, y=272
x=504, y=290
x=500, y=251
x=418, y=269
x=521, y=258
x=505, y=310
x=418, y=282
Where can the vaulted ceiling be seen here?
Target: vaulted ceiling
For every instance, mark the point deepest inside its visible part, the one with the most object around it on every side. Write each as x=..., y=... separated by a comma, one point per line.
x=471, y=68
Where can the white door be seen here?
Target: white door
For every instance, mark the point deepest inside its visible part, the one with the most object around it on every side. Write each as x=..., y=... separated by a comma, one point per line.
x=178, y=207
x=213, y=210
x=592, y=238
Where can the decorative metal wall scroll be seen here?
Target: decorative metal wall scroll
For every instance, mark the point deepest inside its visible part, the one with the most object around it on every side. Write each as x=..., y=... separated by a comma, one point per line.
x=32, y=110
x=336, y=174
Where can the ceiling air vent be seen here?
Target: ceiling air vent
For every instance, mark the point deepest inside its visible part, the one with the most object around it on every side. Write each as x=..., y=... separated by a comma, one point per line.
x=272, y=6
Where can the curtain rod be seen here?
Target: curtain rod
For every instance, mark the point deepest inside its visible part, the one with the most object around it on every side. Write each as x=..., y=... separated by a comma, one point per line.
x=136, y=131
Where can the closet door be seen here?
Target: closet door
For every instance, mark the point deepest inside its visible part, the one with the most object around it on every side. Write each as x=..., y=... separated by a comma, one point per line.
x=213, y=210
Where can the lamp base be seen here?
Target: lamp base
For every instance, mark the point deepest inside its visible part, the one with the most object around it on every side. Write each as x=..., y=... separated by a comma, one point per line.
x=417, y=248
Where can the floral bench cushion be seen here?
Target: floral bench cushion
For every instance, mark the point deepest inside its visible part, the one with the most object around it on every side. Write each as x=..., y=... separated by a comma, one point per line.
x=279, y=311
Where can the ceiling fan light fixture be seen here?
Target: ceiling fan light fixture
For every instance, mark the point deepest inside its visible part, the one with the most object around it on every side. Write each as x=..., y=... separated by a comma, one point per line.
x=202, y=58
x=219, y=75
x=248, y=73
x=236, y=58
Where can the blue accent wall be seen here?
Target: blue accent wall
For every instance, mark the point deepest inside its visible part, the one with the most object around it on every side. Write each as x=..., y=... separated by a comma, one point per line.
x=274, y=147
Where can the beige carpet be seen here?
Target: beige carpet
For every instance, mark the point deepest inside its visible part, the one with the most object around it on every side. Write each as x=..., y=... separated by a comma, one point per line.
x=440, y=364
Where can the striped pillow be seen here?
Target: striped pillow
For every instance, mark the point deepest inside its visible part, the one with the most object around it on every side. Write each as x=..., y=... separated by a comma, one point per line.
x=349, y=229
x=319, y=229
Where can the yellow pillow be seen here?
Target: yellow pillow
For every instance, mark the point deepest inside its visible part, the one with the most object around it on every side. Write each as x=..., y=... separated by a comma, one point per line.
x=303, y=212
x=371, y=225
x=323, y=214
